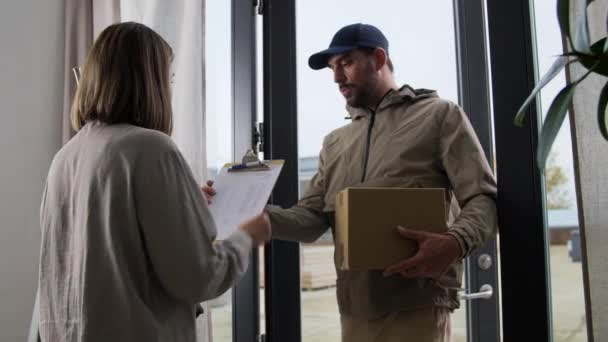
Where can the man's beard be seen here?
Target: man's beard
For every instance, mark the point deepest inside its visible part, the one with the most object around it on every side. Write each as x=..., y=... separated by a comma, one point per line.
x=360, y=99
x=362, y=96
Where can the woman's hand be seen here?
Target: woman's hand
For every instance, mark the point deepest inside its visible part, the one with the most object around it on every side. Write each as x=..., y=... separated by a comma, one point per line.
x=209, y=191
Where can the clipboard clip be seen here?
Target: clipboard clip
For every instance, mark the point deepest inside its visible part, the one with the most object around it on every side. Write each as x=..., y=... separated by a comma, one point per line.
x=249, y=162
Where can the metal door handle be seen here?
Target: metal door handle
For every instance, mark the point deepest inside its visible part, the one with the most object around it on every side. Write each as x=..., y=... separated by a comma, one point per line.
x=485, y=292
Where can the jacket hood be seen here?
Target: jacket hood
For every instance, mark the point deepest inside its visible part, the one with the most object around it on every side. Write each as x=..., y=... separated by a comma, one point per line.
x=405, y=94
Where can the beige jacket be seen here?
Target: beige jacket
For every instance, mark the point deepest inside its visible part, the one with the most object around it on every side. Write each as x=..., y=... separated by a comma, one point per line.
x=413, y=139
x=128, y=241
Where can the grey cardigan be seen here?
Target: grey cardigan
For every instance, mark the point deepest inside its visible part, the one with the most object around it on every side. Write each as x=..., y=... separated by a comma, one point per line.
x=128, y=241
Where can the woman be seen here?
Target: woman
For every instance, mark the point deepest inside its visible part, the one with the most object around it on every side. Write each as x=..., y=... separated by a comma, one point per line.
x=127, y=239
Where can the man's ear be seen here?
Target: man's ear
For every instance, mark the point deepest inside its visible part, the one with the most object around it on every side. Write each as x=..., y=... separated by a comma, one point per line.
x=380, y=57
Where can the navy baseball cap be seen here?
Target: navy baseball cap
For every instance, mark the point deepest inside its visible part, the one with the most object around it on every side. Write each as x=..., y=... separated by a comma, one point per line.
x=349, y=38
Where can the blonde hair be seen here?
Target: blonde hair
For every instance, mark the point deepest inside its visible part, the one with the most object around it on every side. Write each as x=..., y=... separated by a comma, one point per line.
x=125, y=79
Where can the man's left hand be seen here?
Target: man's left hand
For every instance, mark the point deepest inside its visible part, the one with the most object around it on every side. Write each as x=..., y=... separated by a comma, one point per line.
x=436, y=252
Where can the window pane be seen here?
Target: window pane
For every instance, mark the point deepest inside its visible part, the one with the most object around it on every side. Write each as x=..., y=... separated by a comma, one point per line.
x=218, y=90
x=567, y=291
x=219, y=126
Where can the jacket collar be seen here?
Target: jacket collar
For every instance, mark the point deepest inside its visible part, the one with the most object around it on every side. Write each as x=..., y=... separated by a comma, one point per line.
x=402, y=95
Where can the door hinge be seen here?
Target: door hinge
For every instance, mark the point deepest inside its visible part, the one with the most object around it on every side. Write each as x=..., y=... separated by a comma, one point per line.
x=261, y=6
x=258, y=137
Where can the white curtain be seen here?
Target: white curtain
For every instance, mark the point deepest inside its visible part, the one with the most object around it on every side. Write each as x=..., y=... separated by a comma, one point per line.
x=181, y=23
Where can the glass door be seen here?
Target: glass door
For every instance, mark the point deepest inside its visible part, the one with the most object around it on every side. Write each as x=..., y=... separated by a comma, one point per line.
x=434, y=45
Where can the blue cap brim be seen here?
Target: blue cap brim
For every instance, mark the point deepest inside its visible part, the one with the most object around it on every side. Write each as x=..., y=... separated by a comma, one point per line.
x=319, y=60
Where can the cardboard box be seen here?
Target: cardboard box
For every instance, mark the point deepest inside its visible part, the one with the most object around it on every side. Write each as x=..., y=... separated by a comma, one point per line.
x=367, y=220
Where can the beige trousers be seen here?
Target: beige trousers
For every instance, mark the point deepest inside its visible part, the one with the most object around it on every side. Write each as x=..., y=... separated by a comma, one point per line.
x=425, y=325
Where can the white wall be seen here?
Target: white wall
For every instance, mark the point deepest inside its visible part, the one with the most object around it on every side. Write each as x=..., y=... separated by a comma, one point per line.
x=31, y=82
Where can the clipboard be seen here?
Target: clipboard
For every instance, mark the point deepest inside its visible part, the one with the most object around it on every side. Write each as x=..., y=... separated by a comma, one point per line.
x=242, y=195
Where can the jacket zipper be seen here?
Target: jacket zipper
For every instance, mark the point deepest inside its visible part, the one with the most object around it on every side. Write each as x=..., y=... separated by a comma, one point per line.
x=369, y=137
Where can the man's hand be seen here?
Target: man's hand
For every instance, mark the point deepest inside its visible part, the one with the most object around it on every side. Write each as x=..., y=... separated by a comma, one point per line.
x=258, y=228
x=208, y=191
x=436, y=252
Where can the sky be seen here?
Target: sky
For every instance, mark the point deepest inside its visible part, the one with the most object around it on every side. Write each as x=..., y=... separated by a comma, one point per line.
x=421, y=44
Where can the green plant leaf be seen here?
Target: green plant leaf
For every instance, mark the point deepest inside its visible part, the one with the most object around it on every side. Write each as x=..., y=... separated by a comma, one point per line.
x=553, y=122
x=563, y=15
x=573, y=54
x=598, y=58
x=581, y=42
x=600, y=48
x=601, y=112
x=555, y=69
x=597, y=48
x=598, y=64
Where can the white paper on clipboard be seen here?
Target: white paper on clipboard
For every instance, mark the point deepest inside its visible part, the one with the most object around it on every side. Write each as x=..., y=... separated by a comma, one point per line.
x=241, y=195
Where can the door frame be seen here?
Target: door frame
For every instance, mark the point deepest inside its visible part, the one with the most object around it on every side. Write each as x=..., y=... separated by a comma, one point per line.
x=280, y=116
x=483, y=315
x=525, y=284
x=245, y=295
x=281, y=258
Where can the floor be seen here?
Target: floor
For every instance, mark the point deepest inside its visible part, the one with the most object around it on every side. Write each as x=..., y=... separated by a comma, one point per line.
x=320, y=319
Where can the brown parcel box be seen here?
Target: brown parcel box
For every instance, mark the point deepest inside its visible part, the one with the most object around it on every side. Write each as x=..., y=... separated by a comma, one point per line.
x=367, y=220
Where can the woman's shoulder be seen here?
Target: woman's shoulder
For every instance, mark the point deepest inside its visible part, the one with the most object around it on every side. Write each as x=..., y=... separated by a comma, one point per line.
x=147, y=139
x=121, y=136
x=132, y=143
